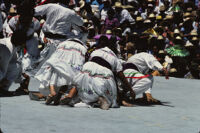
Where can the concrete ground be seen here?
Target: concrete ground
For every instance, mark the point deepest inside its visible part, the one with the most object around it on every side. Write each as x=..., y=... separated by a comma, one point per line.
x=179, y=114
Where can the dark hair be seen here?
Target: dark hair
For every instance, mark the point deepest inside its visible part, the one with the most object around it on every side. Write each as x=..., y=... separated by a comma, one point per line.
x=18, y=37
x=113, y=44
x=103, y=42
x=111, y=12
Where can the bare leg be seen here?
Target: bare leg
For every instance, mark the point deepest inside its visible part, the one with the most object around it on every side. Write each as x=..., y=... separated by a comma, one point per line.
x=149, y=99
x=69, y=97
x=52, y=90
x=103, y=103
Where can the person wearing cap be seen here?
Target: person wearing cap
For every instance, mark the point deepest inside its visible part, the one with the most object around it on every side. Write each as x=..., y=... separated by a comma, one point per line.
x=139, y=25
x=137, y=70
x=122, y=14
x=111, y=21
x=9, y=67
x=152, y=17
x=159, y=20
x=99, y=3
x=187, y=26
x=162, y=11
x=107, y=6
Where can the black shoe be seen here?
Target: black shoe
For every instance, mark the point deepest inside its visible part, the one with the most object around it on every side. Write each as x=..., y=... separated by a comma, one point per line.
x=65, y=101
x=5, y=93
x=21, y=91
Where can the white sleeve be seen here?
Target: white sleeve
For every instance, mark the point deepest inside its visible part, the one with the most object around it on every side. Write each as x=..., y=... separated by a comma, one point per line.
x=77, y=20
x=12, y=23
x=41, y=10
x=118, y=65
x=152, y=62
x=126, y=16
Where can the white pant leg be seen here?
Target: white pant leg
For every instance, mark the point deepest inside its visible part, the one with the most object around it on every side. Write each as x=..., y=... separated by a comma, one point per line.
x=139, y=85
x=32, y=46
x=151, y=85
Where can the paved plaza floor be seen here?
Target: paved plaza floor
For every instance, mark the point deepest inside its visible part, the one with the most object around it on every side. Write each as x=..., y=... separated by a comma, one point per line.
x=180, y=113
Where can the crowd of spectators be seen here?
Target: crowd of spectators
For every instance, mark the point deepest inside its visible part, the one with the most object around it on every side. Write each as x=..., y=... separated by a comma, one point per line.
x=168, y=29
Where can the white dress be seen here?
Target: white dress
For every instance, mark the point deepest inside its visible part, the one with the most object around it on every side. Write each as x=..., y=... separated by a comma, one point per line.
x=96, y=80
x=62, y=66
x=9, y=68
x=59, y=20
x=139, y=79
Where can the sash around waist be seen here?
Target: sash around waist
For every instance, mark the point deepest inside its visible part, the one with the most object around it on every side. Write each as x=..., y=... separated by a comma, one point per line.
x=101, y=62
x=130, y=66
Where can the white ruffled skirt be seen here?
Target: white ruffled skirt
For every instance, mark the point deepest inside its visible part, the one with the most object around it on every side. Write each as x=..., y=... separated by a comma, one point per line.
x=95, y=81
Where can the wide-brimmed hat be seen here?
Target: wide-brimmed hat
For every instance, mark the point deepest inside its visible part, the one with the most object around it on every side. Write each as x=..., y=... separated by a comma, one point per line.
x=118, y=5
x=158, y=17
x=188, y=44
x=193, y=33
x=139, y=19
x=150, y=5
x=176, y=31
x=108, y=32
x=187, y=14
x=160, y=37
x=178, y=38
x=127, y=7
x=168, y=17
x=151, y=15
x=194, y=38
x=12, y=10
x=147, y=21
x=187, y=19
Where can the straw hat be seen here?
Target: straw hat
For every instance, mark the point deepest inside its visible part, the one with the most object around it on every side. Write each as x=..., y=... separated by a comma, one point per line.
x=108, y=32
x=161, y=52
x=187, y=19
x=168, y=17
x=193, y=33
x=151, y=15
x=159, y=17
x=188, y=44
x=187, y=14
x=118, y=5
x=150, y=5
x=127, y=7
x=176, y=31
x=178, y=38
x=12, y=10
x=139, y=18
x=172, y=70
x=194, y=38
x=160, y=37
x=147, y=21
x=135, y=33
